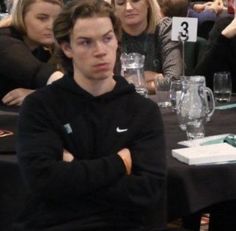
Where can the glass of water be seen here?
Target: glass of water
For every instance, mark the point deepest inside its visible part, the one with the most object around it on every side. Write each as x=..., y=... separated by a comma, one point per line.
x=222, y=86
x=195, y=129
x=175, y=93
x=162, y=88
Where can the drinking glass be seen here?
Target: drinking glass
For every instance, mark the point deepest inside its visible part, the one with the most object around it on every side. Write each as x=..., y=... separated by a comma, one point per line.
x=222, y=86
x=175, y=93
x=195, y=129
x=162, y=88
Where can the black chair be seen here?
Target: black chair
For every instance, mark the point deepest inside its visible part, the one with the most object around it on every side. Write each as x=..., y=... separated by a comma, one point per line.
x=193, y=51
x=204, y=28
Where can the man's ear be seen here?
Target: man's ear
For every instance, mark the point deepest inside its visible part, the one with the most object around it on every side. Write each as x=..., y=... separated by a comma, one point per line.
x=66, y=48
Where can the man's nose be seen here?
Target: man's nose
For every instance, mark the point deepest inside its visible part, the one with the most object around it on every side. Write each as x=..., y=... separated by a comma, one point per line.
x=100, y=48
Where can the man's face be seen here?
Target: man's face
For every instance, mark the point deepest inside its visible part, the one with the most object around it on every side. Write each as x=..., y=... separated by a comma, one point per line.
x=92, y=48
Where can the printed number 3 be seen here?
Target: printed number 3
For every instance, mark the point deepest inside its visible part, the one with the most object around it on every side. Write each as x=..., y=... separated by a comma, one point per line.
x=184, y=32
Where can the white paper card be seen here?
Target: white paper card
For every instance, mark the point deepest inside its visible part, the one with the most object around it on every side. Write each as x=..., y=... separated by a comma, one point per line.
x=204, y=141
x=209, y=154
x=184, y=28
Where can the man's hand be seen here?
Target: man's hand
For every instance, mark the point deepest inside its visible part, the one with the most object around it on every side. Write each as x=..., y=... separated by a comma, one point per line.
x=126, y=157
x=16, y=96
x=67, y=156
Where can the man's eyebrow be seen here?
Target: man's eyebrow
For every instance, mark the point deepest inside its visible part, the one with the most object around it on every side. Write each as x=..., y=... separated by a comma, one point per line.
x=110, y=31
x=84, y=37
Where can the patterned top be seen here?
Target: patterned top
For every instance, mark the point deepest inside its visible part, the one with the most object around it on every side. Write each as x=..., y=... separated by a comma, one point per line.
x=161, y=54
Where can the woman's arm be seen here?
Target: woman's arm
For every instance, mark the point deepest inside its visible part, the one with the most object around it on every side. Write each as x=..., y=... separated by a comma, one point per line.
x=20, y=66
x=170, y=51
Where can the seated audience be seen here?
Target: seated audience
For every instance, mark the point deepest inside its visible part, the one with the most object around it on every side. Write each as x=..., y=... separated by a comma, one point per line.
x=146, y=33
x=193, y=51
x=221, y=53
x=112, y=173
x=26, y=44
x=174, y=8
x=206, y=11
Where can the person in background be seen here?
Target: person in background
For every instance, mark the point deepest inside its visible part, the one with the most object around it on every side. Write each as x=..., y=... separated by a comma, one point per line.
x=173, y=8
x=220, y=56
x=91, y=149
x=26, y=46
x=146, y=33
x=206, y=11
x=193, y=52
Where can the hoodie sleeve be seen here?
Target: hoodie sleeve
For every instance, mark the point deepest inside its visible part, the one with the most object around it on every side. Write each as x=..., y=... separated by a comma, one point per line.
x=40, y=155
x=146, y=185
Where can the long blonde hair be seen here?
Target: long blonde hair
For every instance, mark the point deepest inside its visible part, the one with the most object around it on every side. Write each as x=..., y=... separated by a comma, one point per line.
x=153, y=17
x=18, y=10
x=21, y=9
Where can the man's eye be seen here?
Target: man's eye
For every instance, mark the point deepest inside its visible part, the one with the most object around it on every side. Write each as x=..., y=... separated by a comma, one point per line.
x=107, y=38
x=85, y=43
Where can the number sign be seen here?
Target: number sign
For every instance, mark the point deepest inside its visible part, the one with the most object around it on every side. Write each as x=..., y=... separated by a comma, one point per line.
x=184, y=29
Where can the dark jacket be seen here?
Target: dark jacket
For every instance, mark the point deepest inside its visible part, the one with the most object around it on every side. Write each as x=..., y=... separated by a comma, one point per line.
x=92, y=192
x=19, y=66
x=161, y=54
x=220, y=56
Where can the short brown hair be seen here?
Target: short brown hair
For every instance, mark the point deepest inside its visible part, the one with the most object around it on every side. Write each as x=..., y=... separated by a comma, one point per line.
x=74, y=10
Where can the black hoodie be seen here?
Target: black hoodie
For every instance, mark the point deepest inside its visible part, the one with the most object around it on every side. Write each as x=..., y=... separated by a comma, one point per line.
x=93, y=191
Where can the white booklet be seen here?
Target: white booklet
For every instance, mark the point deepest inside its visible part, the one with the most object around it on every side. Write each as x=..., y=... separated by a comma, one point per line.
x=205, y=140
x=209, y=154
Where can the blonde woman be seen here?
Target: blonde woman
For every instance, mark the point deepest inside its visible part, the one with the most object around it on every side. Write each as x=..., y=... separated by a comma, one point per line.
x=26, y=39
x=145, y=32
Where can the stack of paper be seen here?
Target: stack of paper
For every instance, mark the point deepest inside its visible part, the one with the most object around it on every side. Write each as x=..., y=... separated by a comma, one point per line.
x=209, y=154
x=205, y=140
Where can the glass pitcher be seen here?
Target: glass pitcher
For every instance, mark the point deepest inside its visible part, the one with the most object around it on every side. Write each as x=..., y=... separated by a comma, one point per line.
x=194, y=109
x=132, y=70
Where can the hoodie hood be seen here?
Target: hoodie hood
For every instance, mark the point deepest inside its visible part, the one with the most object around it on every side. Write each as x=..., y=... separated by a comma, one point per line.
x=122, y=87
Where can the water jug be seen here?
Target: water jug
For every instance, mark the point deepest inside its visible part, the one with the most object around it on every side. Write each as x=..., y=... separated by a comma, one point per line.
x=132, y=70
x=194, y=108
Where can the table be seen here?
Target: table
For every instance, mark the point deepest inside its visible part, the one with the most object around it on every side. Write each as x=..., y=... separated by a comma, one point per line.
x=190, y=188
x=195, y=188
x=8, y=121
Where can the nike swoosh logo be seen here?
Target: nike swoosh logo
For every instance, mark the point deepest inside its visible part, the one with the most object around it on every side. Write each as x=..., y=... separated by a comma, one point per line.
x=119, y=130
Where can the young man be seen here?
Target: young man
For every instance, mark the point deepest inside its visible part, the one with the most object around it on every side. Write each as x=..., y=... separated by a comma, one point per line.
x=91, y=149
